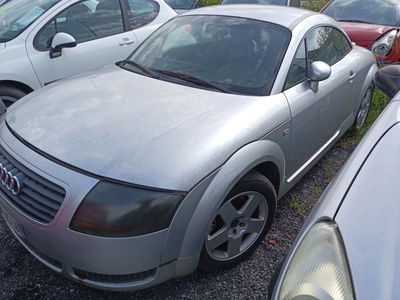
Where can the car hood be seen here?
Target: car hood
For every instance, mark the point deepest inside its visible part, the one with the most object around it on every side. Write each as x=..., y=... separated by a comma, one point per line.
x=129, y=127
x=365, y=34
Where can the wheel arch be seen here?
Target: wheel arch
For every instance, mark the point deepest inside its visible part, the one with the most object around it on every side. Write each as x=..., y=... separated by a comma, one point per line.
x=263, y=156
x=17, y=84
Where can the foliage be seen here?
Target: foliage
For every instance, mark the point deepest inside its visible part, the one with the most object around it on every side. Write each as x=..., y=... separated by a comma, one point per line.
x=315, y=5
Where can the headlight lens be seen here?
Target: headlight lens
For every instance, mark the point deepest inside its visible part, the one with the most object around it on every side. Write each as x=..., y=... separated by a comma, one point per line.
x=318, y=269
x=117, y=210
x=384, y=44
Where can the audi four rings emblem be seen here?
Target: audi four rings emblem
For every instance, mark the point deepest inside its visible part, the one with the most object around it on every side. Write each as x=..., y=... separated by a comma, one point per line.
x=10, y=181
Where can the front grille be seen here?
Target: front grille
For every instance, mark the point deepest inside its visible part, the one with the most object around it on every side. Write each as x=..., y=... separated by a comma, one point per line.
x=38, y=197
x=115, y=279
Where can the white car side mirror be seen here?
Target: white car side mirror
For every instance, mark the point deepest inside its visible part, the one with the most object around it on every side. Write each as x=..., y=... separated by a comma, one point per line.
x=61, y=40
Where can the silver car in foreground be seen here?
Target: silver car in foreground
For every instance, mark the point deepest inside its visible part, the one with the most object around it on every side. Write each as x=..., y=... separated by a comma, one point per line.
x=348, y=248
x=174, y=158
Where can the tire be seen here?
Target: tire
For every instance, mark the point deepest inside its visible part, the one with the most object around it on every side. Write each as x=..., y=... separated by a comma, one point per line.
x=363, y=110
x=241, y=223
x=10, y=94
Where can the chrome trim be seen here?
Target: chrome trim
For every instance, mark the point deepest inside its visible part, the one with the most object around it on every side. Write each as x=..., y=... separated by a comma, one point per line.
x=314, y=156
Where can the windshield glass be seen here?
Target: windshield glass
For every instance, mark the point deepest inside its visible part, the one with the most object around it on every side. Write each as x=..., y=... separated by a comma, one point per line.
x=272, y=2
x=181, y=4
x=240, y=55
x=382, y=12
x=17, y=15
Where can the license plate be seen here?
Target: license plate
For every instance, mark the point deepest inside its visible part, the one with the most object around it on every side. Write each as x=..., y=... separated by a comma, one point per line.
x=14, y=225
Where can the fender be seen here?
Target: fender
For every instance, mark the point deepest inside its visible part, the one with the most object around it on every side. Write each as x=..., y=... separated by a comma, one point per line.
x=218, y=186
x=368, y=80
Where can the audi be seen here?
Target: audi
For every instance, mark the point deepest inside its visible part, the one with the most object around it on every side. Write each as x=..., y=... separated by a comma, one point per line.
x=174, y=158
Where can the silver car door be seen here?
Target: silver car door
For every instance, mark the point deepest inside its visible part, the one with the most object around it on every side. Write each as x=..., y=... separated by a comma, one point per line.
x=99, y=31
x=329, y=45
x=304, y=106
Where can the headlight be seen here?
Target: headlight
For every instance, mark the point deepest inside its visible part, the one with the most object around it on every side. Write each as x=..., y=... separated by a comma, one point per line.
x=318, y=269
x=117, y=210
x=384, y=44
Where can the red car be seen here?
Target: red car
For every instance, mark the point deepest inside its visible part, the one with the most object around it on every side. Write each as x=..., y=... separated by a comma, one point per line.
x=373, y=24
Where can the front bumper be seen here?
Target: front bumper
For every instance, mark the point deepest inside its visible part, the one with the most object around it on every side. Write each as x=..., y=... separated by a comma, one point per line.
x=107, y=263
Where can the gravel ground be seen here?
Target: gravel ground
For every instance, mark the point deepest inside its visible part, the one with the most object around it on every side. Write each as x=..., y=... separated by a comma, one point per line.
x=22, y=277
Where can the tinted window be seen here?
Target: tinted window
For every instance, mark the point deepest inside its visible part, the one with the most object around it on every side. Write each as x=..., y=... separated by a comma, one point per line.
x=86, y=20
x=272, y=2
x=242, y=55
x=142, y=12
x=295, y=3
x=298, y=69
x=182, y=4
x=17, y=15
x=384, y=12
x=326, y=44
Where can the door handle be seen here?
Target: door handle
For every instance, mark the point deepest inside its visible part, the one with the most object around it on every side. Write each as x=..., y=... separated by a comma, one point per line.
x=352, y=76
x=126, y=42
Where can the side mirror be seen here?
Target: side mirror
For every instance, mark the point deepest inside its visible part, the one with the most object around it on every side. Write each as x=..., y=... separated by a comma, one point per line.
x=61, y=40
x=319, y=71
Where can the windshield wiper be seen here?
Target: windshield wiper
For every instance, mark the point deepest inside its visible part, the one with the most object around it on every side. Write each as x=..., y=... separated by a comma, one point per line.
x=195, y=80
x=354, y=21
x=144, y=69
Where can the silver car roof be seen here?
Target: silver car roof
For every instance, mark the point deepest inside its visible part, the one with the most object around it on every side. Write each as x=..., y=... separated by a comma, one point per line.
x=281, y=15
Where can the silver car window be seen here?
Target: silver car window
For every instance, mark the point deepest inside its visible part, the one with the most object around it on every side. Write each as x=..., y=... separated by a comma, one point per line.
x=298, y=69
x=326, y=44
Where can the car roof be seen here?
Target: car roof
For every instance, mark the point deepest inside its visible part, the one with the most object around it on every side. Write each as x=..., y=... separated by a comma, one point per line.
x=281, y=15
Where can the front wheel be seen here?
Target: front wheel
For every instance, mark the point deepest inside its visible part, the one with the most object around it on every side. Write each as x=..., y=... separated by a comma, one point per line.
x=10, y=94
x=364, y=108
x=241, y=223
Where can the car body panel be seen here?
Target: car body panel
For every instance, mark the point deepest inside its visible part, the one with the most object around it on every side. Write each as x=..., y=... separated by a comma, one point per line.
x=172, y=135
x=370, y=200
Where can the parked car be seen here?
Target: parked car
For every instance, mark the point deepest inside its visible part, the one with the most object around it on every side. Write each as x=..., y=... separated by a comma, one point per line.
x=174, y=159
x=35, y=37
x=295, y=3
x=347, y=248
x=373, y=24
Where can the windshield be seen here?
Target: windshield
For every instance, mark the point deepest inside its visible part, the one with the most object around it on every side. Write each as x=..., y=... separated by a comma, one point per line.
x=272, y=2
x=17, y=15
x=382, y=12
x=181, y=4
x=234, y=54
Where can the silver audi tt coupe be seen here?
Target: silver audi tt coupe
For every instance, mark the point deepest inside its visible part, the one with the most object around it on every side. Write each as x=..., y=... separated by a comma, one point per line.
x=174, y=159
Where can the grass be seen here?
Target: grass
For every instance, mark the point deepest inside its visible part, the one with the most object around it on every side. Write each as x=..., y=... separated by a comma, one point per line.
x=378, y=104
x=296, y=204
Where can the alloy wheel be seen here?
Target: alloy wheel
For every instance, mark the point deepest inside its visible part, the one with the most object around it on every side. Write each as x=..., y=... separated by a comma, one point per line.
x=238, y=224
x=364, y=109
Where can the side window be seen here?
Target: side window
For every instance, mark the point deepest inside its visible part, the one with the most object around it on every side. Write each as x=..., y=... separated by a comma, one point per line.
x=295, y=3
x=85, y=21
x=142, y=12
x=298, y=68
x=326, y=44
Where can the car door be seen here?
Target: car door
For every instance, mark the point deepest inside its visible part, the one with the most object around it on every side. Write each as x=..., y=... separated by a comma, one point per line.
x=337, y=93
x=316, y=115
x=304, y=106
x=99, y=30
